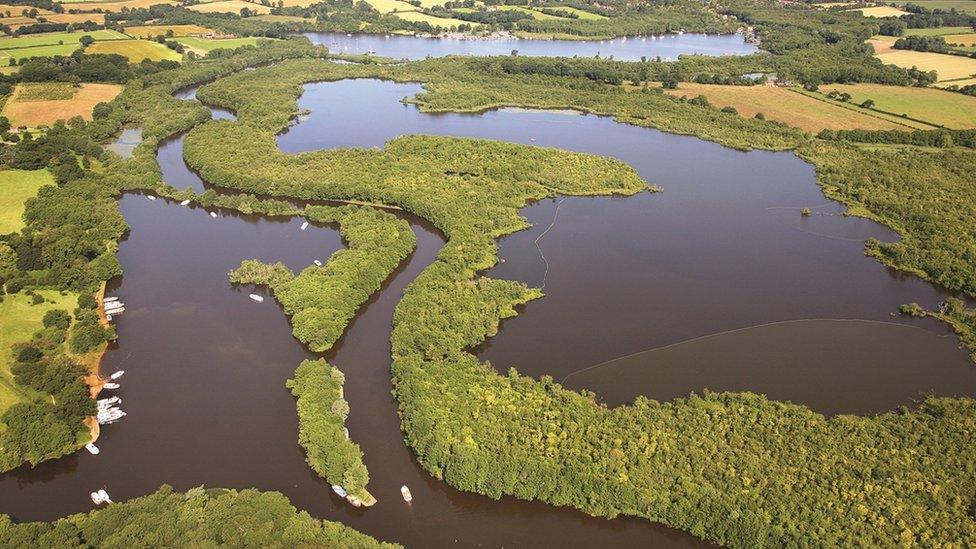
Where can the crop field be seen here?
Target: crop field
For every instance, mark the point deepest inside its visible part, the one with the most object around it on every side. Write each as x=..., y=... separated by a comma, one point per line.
x=204, y=45
x=56, y=38
x=949, y=67
x=432, y=3
x=280, y=18
x=961, y=83
x=16, y=10
x=938, y=31
x=968, y=39
x=116, y=6
x=940, y=108
x=152, y=31
x=16, y=22
x=229, y=6
x=135, y=50
x=881, y=11
x=37, y=51
x=966, y=6
x=16, y=186
x=445, y=22
x=40, y=104
x=390, y=6
x=583, y=14
x=786, y=106
x=98, y=18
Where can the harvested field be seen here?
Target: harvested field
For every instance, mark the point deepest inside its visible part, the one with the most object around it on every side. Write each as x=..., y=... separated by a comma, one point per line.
x=136, y=50
x=229, y=6
x=43, y=104
x=152, y=31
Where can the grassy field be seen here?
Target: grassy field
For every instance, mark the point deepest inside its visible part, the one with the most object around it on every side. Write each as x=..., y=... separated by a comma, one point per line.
x=55, y=38
x=19, y=319
x=115, y=6
x=229, y=6
x=136, y=50
x=938, y=31
x=16, y=186
x=940, y=108
x=390, y=6
x=786, y=106
x=445, y=22
x=531, y=13
x=16, y=10
x=966, y=39
x=152, y=31
x=966, y=6
x=961, y=83
x=281, y=18
x=583, y=15
x=204, y=45
x=98, y=18
x=949, y=67
x=43, y=104
x=881, y=11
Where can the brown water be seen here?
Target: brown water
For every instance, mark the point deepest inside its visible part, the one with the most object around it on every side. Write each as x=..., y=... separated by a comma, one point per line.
x=723, y=248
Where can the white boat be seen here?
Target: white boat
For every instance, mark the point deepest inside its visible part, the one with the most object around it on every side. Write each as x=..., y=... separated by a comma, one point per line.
x=213, y=214
x=256, y=297
x=151, y=197
x=339, y=490
x=370, y=52
x=117, y=306
x=317, y=262
x=346, y=429
x=405, y=492
x=116, y=375
x=109, y=299
x=97, y=498
x=185, y=202
x=92, y=448
x=111, y=386
x=108, y=401
x=104, y=495
x=304, y=225
x=115, y=311
x=108, y=318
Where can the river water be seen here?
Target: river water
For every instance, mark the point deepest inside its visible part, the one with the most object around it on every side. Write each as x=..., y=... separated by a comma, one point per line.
x=718, y=282
x=668, y=47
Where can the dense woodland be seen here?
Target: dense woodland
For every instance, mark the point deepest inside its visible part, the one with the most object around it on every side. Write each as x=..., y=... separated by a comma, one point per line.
x=197, y=518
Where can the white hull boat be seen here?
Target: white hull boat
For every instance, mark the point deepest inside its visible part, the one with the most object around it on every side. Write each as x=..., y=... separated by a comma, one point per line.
x=151, y=197
x=213, y=214
x=256, y=297
x=304, y=225
x=111, y=386
x=339, y=490
x=92, y=448
x=116, y=375
x=185, y=203
x=405, y=492
x=317, y=263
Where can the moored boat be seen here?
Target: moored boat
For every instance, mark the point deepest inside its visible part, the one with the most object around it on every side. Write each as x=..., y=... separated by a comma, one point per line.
x=256, y=297
x=185, y=202
x=304, y=225
x=339, y=490
x=116, y=375
x=92, y=448
x=111, y=386
x=405, y=492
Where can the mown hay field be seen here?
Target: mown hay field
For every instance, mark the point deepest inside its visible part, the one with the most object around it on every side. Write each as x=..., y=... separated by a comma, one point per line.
x=938, y=107
x=135, y=50
x=205, y=45
x=881, y=11
x=786, y=106
x=43, y=104
x=949, y=67
x=152, y=31
x=229, y=6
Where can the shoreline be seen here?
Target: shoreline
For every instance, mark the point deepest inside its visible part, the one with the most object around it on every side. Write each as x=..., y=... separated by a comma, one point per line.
x=94, y=378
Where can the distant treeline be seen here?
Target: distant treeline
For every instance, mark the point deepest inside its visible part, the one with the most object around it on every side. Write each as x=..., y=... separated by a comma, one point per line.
x=943, y=138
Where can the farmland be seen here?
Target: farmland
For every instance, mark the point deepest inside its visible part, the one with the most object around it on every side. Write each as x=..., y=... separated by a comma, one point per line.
x=937, y=107
x=937, y=31
x=151, y=31
x=444, y=22
x=54, y=38
x=116, y=6
x=16, y=186
x=948, y=67
x=965, y=6
x=881, y=11
x=33, y=105
x=204, y=45
x=136, y=50
x=230, y=6
x=390, y=6
x=786, y=106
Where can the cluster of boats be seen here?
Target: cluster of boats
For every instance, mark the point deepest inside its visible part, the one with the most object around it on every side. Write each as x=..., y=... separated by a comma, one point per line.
x=112, y=307
x=100, y=497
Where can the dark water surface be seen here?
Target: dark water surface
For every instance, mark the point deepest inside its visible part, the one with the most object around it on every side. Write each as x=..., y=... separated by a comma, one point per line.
x=718, y=282
x=668, y=47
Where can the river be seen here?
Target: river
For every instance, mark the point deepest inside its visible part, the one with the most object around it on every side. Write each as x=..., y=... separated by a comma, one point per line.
x=668, y=47
x=720, y=267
